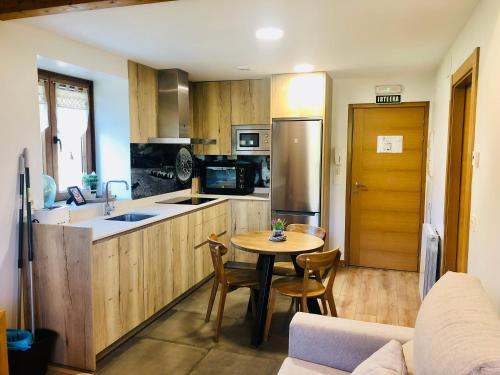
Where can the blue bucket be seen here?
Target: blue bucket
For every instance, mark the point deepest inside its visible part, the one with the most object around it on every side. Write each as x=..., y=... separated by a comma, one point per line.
x=19, y=339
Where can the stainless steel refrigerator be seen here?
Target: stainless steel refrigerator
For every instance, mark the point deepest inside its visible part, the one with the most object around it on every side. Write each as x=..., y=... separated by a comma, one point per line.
x=296, y=171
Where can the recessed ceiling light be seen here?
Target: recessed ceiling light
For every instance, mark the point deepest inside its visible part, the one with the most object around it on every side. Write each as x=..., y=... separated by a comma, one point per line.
x=303, y=68
x=269, y=33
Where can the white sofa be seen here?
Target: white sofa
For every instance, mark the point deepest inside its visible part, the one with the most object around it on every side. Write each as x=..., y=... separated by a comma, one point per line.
x=457, y=333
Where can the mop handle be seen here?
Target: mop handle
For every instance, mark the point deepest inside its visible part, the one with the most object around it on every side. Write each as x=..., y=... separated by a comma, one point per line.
x=21, y=211
x=28, y=203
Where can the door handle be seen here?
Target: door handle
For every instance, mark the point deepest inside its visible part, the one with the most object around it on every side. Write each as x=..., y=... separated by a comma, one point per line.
x=359, y=186
x=56, y=140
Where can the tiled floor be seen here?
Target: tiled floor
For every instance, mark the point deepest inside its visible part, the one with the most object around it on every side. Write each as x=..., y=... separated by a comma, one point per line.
x=180, y=342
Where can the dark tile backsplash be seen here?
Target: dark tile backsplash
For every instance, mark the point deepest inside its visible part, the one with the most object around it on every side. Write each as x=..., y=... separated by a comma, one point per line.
x=153, y=170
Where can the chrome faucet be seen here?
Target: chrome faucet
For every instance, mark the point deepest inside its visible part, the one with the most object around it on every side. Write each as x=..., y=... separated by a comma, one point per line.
x=108, y=208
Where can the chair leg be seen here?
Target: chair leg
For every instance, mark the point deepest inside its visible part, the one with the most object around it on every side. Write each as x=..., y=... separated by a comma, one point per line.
x=252, y=302
x=212, y=299
x=331, y=302
x=270, y=309
x=220, y=313
x=323, y=302
x=303, y=304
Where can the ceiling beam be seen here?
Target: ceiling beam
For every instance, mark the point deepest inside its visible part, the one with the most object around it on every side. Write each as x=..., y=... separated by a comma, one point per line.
x=13, y=9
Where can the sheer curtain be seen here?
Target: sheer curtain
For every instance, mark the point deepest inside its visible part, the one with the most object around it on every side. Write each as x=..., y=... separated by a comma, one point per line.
x=72, y=111
x=43, y=106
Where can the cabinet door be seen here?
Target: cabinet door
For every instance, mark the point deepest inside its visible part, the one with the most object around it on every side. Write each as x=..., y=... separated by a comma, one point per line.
x=251, y=102
x=182, y=254
x=130, y=253
x=158, y=267
x=248, y=216
x=212, y=116
x=213, y=220
x=106, y=293
x=298, y=95
x=118, y=294
x=143, y=102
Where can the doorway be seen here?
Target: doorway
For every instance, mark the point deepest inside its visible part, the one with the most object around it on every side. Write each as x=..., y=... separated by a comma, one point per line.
x=387, y=147
x=459, y=167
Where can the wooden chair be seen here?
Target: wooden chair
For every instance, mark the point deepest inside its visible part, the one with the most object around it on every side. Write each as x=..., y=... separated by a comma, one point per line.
x=303, y=288
x=287, y=268
x=229, y=280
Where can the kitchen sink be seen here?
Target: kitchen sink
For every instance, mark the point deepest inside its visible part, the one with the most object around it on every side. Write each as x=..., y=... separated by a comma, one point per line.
x=131, y=217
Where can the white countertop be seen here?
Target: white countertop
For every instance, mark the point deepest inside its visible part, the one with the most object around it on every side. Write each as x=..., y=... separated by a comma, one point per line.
x=102, y=228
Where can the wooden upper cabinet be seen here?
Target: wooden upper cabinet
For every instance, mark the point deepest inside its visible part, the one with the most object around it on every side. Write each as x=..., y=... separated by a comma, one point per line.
x=143, y=102
x=251, y=102
x=298, y=95
x=212, y=116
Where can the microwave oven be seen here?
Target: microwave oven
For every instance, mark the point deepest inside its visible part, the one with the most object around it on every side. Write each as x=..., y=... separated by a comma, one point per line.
x=228, y=177
x=251, y=139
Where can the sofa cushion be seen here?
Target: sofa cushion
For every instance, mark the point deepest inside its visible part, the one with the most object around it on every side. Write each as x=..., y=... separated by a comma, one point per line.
x=388, y=360
x=294, y=366
x=408, y=354
x=457, y=330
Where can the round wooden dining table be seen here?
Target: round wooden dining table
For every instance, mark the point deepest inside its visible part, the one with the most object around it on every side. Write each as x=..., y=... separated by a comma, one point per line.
x=258, y=242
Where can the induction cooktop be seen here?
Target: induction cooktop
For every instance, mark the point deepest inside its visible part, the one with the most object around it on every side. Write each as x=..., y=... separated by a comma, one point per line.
x=187, y=200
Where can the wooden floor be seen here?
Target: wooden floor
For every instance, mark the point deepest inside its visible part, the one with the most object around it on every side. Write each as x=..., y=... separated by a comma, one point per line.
x=376, y=295
x=367, y=294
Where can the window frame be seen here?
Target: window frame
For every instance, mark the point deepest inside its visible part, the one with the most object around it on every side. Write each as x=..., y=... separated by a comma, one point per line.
x=50, y=162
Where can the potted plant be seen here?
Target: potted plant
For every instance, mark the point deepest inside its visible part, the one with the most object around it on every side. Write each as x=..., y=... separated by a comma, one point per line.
x=278, y=227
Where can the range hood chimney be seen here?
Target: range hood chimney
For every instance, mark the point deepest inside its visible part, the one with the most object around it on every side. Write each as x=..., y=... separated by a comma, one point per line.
x=173, y=109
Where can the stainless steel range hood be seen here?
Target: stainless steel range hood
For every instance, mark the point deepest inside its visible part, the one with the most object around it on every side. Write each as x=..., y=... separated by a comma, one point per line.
x=173, y=109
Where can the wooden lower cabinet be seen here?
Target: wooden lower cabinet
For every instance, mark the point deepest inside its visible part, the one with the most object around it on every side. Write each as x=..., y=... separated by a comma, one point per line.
x=137, y=274
x=117, y=283
x=111, y=286
x=158, y=266
x=249, y=216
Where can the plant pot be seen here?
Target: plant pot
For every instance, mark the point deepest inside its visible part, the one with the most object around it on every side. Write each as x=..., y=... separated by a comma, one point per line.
x=278, y=232
x=35, y=360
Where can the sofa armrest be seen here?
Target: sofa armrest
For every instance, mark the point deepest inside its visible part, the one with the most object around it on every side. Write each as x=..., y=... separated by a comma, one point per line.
x=340, y=343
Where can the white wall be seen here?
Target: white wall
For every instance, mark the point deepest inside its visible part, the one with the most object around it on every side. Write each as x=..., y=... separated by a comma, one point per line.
x=112, y=129
x=356, y=91
x=19, y=124
x=482, y=30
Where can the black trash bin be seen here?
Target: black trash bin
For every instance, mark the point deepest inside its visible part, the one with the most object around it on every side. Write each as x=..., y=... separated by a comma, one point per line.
x=35, y=360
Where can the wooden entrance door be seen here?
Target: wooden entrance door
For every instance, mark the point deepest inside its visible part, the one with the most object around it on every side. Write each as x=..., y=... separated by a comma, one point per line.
x=385, y=185
x=459, y=173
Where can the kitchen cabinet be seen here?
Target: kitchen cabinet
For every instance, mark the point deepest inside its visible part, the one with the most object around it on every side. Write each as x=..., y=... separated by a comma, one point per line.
x=143, y=102
x=117, y=288
x=111, y=286
x=251, y=102
x=249, y=216
x=299, y=95
x=212, y=116
x=158, y=266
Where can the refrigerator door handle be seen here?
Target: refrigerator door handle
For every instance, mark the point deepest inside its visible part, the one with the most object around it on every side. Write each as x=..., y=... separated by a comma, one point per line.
x=295, y=213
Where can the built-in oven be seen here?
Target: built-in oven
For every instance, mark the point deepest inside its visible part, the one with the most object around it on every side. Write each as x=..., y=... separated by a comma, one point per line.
x=251, y=139
x=227, y=177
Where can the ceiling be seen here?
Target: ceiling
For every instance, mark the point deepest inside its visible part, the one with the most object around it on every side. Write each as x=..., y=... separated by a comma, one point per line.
x=211, y=38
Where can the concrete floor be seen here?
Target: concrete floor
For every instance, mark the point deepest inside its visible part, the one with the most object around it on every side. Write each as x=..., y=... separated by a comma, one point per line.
x=180, y=342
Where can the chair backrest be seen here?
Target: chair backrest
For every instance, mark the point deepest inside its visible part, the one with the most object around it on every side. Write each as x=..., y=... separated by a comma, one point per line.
x=315, y=262
x=308, y=229
x=217, y=250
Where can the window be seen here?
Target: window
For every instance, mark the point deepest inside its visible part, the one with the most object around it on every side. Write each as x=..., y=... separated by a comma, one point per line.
x=66, y=128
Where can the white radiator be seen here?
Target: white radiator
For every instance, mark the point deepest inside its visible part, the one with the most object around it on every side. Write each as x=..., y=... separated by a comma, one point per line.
x=429, y=259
